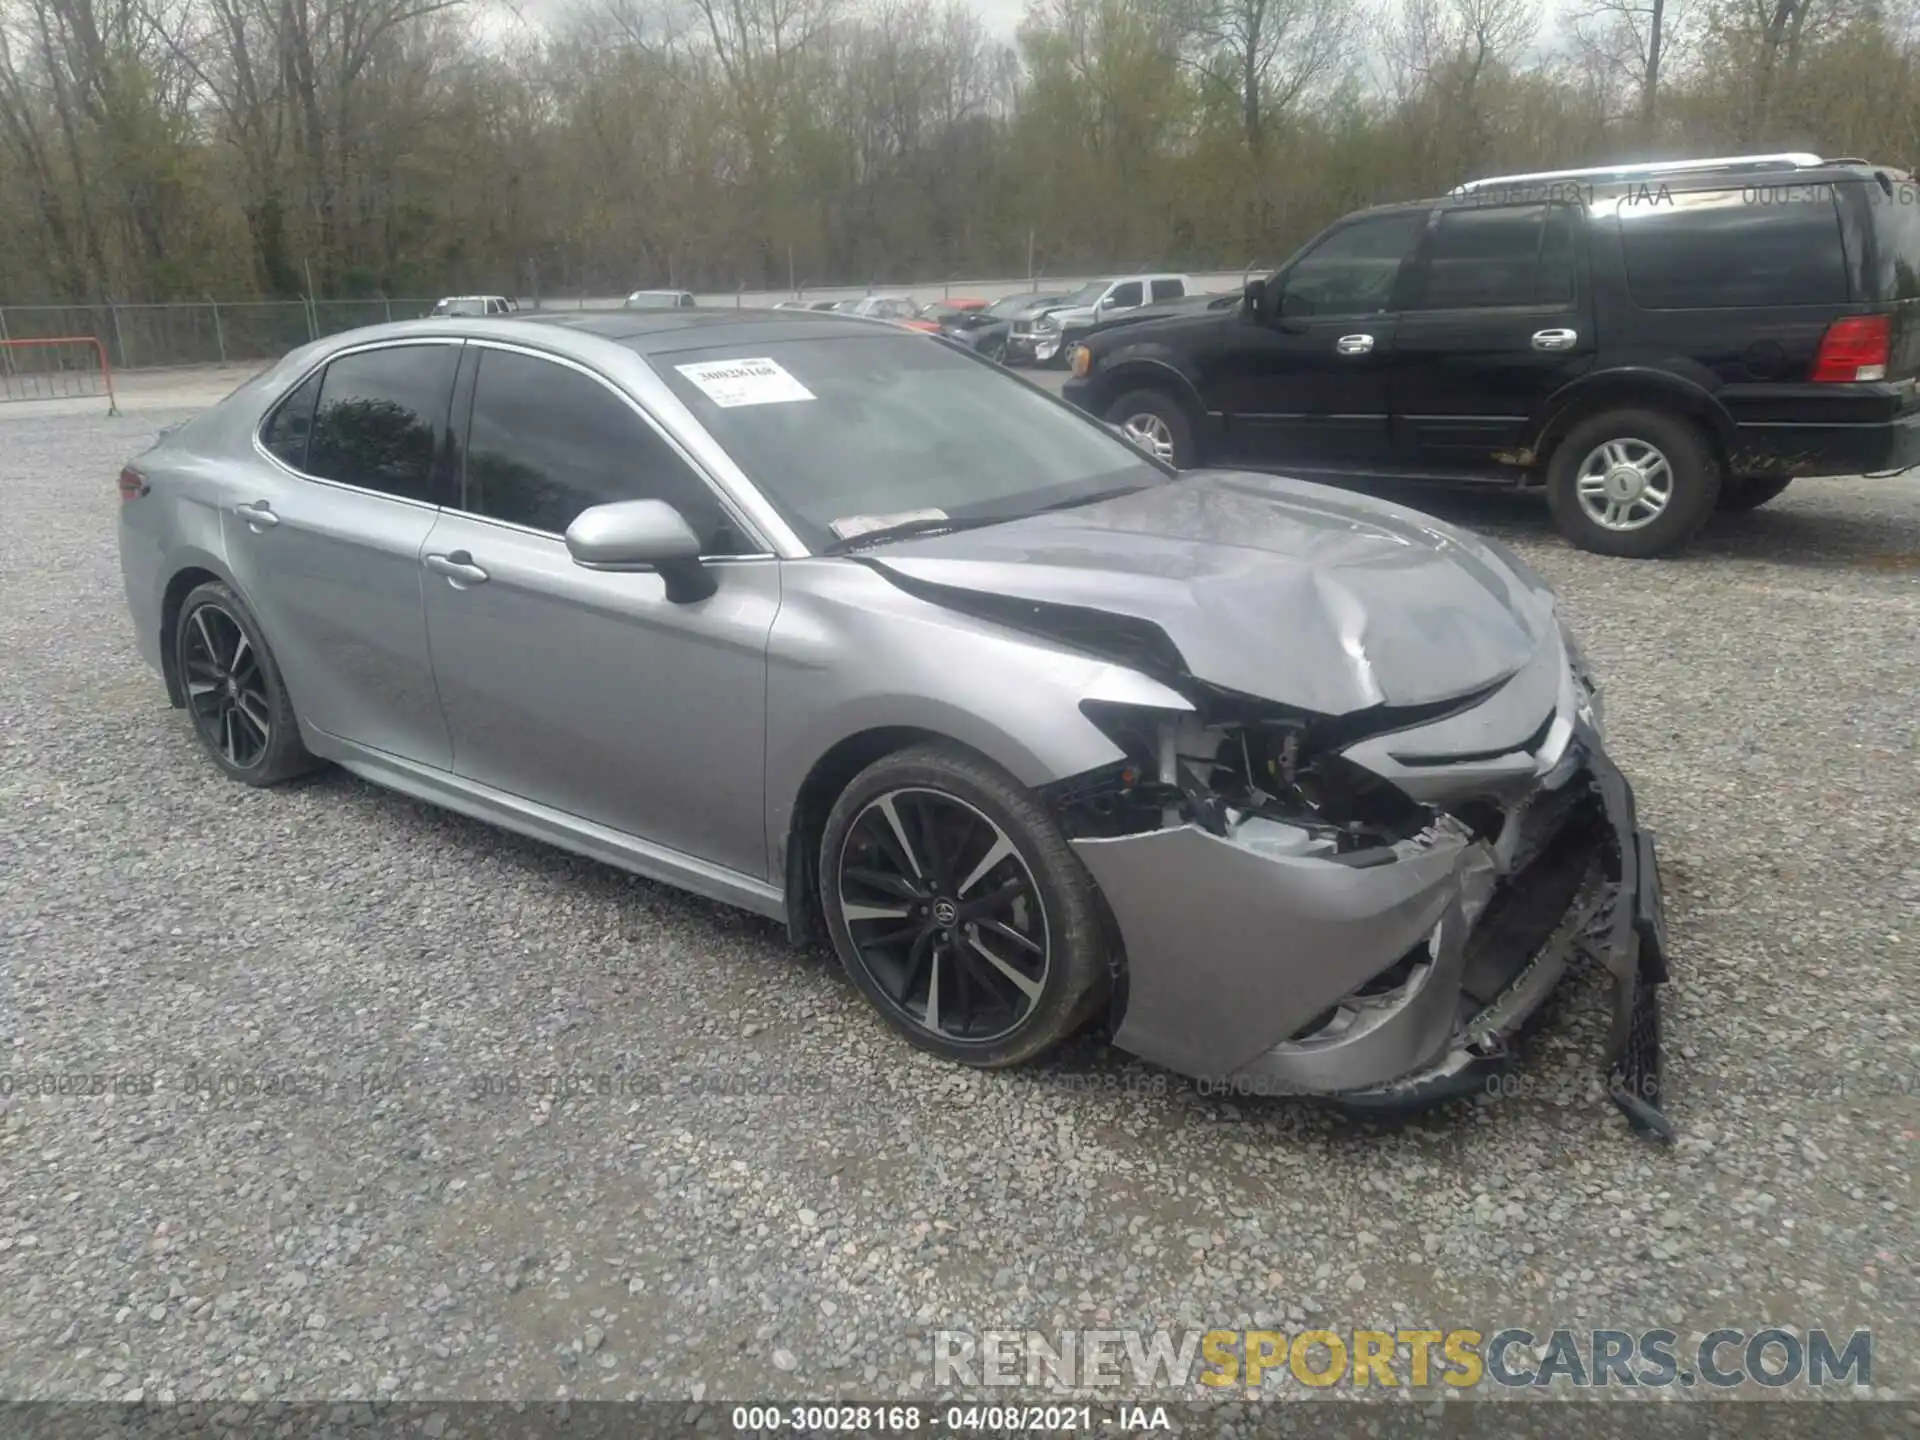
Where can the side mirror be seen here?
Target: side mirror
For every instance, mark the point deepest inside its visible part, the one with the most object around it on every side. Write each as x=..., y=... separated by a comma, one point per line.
x=641, y=535
x=1257, y=300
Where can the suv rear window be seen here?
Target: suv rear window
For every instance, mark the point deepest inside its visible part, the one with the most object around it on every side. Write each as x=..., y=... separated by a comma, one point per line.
x=1725, y=249
x=1896, y=230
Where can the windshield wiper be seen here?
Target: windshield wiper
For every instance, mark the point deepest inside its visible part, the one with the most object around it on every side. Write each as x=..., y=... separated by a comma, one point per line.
x=922, y=525
x=1093, y=498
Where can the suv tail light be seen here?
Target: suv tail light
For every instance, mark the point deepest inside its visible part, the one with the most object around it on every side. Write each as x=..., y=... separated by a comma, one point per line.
x=132, y=484
x=1853, y=349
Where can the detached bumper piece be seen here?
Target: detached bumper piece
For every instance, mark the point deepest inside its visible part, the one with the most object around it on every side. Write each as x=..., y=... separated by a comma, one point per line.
x=1631, y=936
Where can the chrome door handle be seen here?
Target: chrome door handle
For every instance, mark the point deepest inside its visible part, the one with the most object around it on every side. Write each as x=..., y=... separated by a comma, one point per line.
x=1554, y=339
x=458, y=568
x=1353, y=344
x=258, y=514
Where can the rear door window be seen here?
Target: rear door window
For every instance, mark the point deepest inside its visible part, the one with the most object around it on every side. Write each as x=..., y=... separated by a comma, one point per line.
x=1765, y=246
x=1493, y=256
x=382, y=418
x=285, y=433
x=1168, y=289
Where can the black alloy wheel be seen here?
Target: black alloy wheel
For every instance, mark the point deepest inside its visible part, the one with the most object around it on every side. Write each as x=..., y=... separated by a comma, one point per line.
x=226, y=688
x=233, y=690
x=960, y=910
x=944, y=914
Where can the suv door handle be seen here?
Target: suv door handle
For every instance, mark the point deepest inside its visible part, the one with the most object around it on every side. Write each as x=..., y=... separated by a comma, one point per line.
x=258, y=514
x=1554, y=339
x=1353, y=344
x=458, y=568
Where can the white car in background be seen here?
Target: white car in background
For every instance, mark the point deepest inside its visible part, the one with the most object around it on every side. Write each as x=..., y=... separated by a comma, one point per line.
x=879, y=307
x=660, y=300
x=464, y=305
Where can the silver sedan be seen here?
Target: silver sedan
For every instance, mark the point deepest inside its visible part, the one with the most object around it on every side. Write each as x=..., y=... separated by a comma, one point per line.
x=1291, y=789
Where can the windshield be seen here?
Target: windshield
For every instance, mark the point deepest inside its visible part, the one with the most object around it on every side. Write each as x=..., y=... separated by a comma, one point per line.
x=862, y=428
x=1016, y=302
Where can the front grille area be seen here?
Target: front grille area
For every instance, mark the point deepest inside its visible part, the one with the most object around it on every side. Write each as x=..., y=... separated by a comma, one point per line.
x=1534, y=898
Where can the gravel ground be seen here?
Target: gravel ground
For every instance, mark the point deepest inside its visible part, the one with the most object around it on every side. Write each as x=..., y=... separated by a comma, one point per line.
x=329, y=1172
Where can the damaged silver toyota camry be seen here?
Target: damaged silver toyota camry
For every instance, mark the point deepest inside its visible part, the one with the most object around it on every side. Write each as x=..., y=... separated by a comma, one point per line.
x=1296, y=790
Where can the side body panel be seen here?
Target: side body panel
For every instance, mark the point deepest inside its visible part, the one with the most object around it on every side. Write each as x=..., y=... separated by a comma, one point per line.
x=594, y=694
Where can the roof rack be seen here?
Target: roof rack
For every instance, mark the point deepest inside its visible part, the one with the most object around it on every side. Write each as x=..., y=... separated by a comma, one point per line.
x=1791, y=160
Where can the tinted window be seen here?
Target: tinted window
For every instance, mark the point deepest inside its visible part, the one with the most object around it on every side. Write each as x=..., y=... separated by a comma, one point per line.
x=885, y=423
x=1771, y=245
x=1125, y=295
x=547, y=442
x=1168, y=289
x=1352, y=271
x=381, y=417
x=1509, y=255
x=286, y=430
x=1896, y=227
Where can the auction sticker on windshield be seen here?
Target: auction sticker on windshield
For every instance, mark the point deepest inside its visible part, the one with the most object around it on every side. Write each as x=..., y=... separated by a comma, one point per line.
x=848, y=526
x=731, y=383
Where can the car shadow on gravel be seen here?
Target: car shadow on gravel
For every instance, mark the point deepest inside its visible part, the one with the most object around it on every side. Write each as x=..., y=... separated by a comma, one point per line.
x=585, y=878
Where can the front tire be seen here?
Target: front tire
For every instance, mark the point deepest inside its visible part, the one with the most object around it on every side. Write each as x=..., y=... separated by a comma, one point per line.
x=959, y=909
x=235, y=697
x=1158, y=424
x=1633, y=483
x=1752, y=494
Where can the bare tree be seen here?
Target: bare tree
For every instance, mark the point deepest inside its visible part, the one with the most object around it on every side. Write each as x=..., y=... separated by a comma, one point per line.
x=1273, y=50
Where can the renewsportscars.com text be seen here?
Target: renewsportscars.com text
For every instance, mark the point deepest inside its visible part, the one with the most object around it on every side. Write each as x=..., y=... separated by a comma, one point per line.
x=1360, y=1359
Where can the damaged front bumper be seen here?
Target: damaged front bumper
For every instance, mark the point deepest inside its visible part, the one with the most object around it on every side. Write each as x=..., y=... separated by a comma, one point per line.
x=1394, y=976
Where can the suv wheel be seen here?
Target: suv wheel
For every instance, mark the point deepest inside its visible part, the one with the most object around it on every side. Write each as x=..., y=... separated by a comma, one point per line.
x=1158, y=424
x=1635, y=483
x=1752, y=494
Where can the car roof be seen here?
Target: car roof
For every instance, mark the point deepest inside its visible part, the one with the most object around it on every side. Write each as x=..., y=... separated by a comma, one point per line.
x=1627, y=180
x=643, y=331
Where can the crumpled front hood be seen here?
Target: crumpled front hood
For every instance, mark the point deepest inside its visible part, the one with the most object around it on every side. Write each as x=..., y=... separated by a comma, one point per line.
x=1309, y=596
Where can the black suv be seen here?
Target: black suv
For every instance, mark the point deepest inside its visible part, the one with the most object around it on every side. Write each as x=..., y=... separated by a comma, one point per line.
x=1646, y=343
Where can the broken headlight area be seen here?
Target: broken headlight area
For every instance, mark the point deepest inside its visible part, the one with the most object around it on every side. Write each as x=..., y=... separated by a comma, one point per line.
x=1237, y=763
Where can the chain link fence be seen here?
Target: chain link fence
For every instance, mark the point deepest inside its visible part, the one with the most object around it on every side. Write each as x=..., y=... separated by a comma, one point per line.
x=209, y=332
x=222, y=332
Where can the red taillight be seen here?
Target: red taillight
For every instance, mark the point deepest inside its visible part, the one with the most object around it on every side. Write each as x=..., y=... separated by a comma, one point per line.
x=132, y=484
x=1853, y=349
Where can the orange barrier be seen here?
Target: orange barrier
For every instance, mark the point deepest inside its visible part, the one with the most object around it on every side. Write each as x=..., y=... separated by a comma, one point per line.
x=47, y=370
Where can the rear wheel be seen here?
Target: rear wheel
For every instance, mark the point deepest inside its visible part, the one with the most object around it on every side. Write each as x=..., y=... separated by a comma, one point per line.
x=958, y=908
x=234, y=692
x=1743, y=495
x=1634, y=483
x=1158, y=424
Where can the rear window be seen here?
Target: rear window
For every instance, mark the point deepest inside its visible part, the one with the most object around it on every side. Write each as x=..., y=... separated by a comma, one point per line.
x=1768, y=246
x=1896, y=229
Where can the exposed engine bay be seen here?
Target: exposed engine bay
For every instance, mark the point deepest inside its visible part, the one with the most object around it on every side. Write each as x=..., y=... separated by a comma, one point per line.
x=1242, y=760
